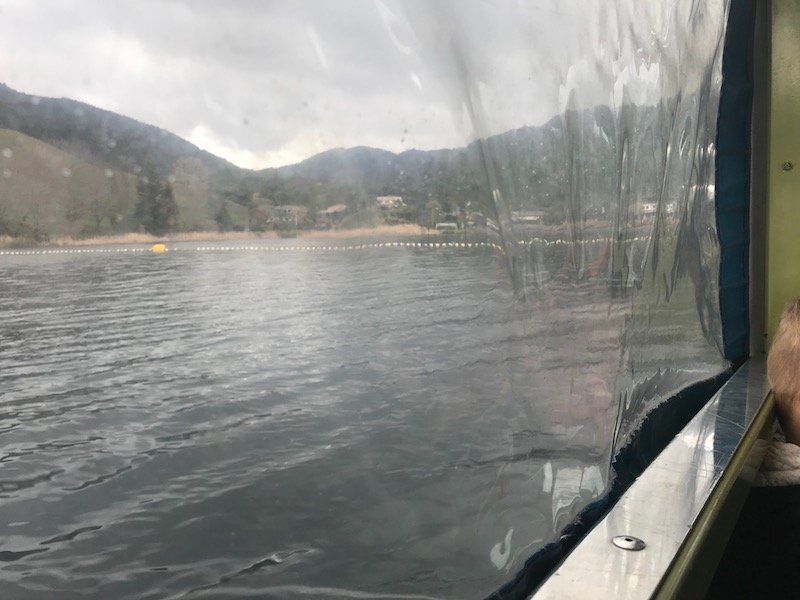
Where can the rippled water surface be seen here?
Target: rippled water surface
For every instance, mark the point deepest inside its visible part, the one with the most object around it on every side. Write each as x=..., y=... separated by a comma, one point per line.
x=281, y=425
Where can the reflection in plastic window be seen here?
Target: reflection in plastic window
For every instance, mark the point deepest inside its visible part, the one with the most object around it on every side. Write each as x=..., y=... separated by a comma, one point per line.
x=335, y=299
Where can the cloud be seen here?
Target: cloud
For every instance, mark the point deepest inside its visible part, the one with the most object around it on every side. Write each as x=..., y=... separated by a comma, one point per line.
x=267, y=83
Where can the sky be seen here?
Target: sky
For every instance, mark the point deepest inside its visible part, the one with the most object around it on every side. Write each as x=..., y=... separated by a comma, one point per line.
x=265, y=83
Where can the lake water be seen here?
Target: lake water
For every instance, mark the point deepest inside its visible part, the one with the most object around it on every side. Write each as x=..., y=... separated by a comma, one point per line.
x=258, y=422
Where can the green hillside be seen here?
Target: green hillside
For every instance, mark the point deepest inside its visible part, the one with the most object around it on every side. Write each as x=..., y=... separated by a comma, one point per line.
x=46, y=192
x=67, y=168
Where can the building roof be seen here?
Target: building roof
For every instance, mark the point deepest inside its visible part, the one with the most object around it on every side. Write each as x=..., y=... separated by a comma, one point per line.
x=332, y=210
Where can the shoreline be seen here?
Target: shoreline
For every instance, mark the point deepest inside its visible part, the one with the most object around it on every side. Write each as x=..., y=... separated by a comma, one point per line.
x=402, y=230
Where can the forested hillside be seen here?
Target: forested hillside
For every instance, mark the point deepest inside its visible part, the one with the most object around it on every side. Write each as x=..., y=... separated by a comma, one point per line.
x=72, y=169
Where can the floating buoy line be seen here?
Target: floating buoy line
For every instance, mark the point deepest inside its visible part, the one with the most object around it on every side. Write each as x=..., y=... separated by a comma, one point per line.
x=161, y=247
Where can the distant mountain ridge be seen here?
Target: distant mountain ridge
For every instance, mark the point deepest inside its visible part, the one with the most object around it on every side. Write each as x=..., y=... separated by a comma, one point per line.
x=568, y=165
x=98, y=135
x=121, y=142
x=361, y=162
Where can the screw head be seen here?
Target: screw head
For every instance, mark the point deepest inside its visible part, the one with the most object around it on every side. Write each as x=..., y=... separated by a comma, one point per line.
x=787, y=166
x=628, y=542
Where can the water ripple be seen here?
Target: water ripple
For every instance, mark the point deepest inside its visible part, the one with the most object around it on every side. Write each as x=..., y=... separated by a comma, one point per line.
x=167, y=422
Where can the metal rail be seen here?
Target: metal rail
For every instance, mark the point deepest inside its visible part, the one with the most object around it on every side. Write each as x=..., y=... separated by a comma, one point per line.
x=682, y=507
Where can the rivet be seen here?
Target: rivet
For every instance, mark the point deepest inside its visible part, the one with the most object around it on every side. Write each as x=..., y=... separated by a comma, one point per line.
x=787, y=166
x=628, y=542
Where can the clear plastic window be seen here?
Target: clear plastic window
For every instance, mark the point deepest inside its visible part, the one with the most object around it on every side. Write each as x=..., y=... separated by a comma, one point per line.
x=340, y=299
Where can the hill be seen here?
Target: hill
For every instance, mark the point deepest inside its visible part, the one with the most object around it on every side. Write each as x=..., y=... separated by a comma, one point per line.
x=99, y=136
x=571, y=166
x=47, y=192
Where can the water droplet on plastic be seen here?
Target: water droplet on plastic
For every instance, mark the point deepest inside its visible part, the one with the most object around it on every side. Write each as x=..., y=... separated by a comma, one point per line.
x=111, y=143
x=7, y=173
x=66, y=172
x=109, y=173
x=137, y=169
x=35, y=100
x=7, y=153
x=171, y=178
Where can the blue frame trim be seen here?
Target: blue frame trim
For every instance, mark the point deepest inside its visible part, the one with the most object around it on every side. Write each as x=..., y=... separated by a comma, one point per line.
x=732, y=201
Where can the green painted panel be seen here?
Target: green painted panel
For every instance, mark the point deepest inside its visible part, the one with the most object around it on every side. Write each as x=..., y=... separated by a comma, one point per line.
x=783, y=208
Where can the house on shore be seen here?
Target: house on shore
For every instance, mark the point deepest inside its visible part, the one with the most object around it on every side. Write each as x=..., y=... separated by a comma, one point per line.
x=450, y=222
x=527, y=217
x=648, y=211
x=389, y=203
x=288, y=215
x=332, y=216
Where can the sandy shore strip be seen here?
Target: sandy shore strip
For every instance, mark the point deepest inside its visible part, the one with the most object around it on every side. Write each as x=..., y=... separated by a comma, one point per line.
x=380, y=231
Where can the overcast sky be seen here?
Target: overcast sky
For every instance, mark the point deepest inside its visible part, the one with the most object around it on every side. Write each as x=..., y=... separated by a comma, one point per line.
x=267, y=83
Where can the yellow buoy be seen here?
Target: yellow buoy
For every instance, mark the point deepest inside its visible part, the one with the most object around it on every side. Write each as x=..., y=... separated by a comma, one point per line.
x=159, y=248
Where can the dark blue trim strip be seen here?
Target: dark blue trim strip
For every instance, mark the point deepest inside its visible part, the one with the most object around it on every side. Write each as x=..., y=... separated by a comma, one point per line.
x=732, y=200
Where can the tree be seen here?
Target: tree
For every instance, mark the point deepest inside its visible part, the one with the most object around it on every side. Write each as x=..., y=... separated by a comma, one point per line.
x=258, y=219
x=223, y=218
x=156, y=210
